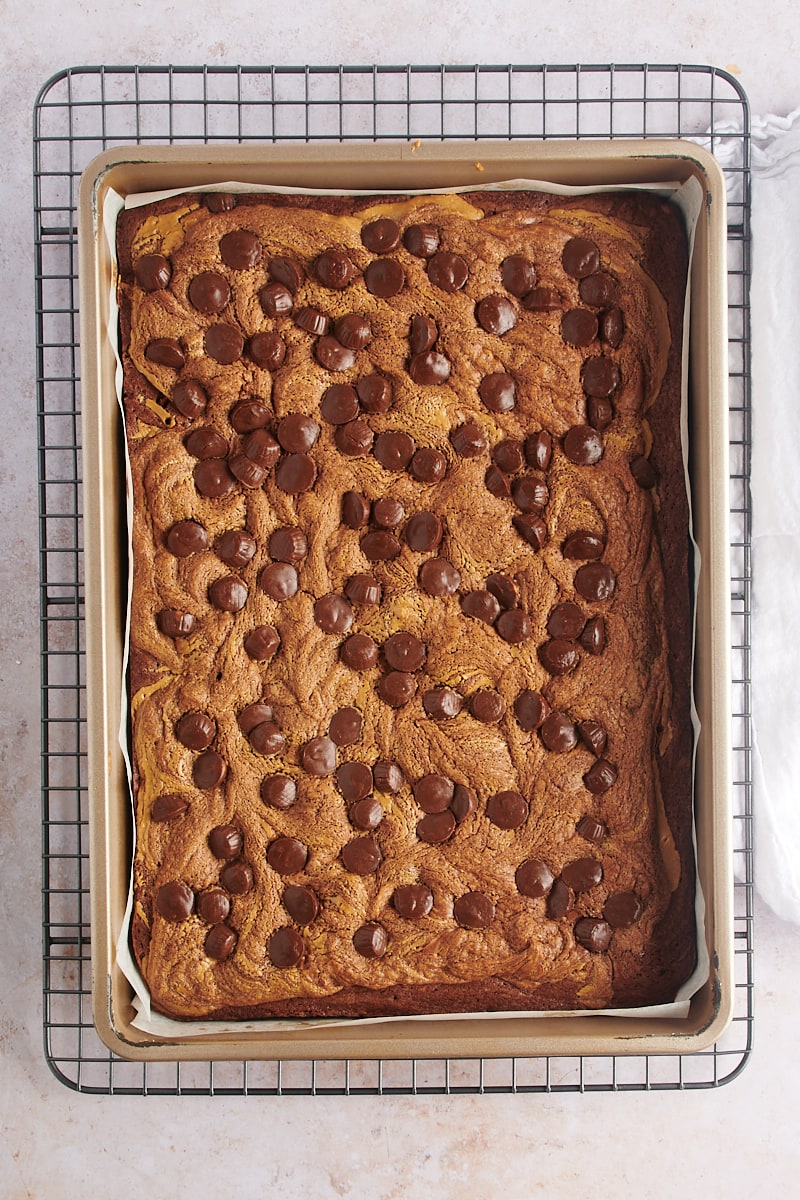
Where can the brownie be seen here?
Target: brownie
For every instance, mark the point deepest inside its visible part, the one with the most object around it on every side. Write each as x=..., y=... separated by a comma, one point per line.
x=411, y=623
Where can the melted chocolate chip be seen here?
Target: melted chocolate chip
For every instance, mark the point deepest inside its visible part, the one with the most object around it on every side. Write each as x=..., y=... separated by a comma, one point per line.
x=276, y=300
x=267, y=739
x=558, y=733
x=287, y=855
x=261, y=643
x=286, y=948
x=473, y=910
x=595, y=581
x=384, y=278
x=267, y=349
x=363, y=589
x=566, y=621
x=422, y=334
x=279, y=580
x=592, y=829
x=288, y=544
x=507, y=809
x=530, y=709
x=333, y=614
x=279, y=791
x=542, y=299
x=187, y=537
x=295, y=474
x=600, y=777
x=423, y=532
x=206, y=442
x=237, y=877
x=332, y=355
x=311, y=320
x=600, y=377
x=165, y=352
x=593, y=736
x=442, y=703
x=539, y=450
x=438, y=577
x=388, y=776
x=218, y=202
x=593, y=638
x=209, y=770
x=580, y=257
x=598, y=289
x=370, y=940
x=518, y=274
x=429, y=369
x=381, y=236
x=362, y=856
x=196, y=731
x=509, y=456
x=464, y=803
x=592, y=934
x=301, y=903
x=213, y=906
x=249, y=473
x=533, y=878
x=612, y=327
x=412, y=901
x=481, y=604
x=531, y=529
x=174, y=900
x=497, y=483
x=394, y=450
x=366, y=814
x=354, y=439
x=584, y=546
x=286, y=271
x=421, y=240
x=428, y=465
x=436, y=828
x=380, y=546
x=622, y=909
x=355, y=510
x=498, y=392
x=504, y=589
x=468, y=440
x=583, y=445
x=559, y=656
x=224, y=343
x=190, y=399
x=333, y=269
x=235, y=547
x=388, y=512
x=339, y=404
x=448, y=271
x=514, y=626
x=559, y=900
x=404, y=652
x=228, y=594
x=253, y=715
x=249, y=415
x=643, y=472
x=209, y=292
x=240, y=249
x=374, y=393
x=225, y=841
x=583, y=874
x=433, y=793
x=496, y=314
x=487, y=705
x=530, y=493
x=579, y=327
x=174, y=622
x=169, y=807
x=318, y=756
x=345, y=726
x=359, y=652
x=354, y=780
x=397, y=688
x=152, y=272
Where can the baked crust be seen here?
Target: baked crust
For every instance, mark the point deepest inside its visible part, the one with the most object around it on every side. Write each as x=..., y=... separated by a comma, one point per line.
x=637, y=688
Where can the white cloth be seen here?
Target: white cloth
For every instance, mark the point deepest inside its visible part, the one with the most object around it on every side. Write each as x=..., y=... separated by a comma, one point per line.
x=775, y=291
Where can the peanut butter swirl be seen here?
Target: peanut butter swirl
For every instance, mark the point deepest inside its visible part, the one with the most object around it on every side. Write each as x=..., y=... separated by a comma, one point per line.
x=348, y=888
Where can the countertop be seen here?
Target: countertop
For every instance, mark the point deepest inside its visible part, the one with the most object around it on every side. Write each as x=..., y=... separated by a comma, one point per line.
x=736, y=1140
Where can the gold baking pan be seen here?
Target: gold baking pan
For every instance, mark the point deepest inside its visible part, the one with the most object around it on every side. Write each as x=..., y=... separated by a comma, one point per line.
x=401, y=167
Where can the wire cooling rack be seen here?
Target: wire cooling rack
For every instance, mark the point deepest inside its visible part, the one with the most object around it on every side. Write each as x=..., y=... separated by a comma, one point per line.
x=80, y=112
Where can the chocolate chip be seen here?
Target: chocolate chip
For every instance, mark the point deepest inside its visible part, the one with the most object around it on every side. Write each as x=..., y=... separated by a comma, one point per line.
x=397, y=688
x=583, y=874
x=530, y=709
x=559, y=900
x=429, y=369
x=354, y=439
x=579, y=327
x=213, y=478
x=583, y=445
x=279, y=791
x=558, y=733
x=355, y=510
x=496, y=314
x=286, y=271
x=388, y=512
x=504, y=589
x=261, y=643
x=165, y=352
x=333, y=614
x=487, y=705
x=498, y=391
x=442, y=703
x=287, y=855
x=353, y=331
x=318, y=756
x=583, y=545
x=363, y=589
x=394, y=450
x=482, y=605
x=384, y=278
x=175, y=623
x=381, y=236
x=497, y=483
x=267, y=739
x=267, y=349
x=169, y=807
x=332, y=355
x=213, y=906
x=533, y=878
x=612, y=327
x=206, y=442
x=595, y=581
x=370, y=940
x=209, y=770
x=531, y=529
x=507, y=809
x=600, y=777
x=286, y=948
x=580, y=257
x=253, y=715
x=404, y=652
x=235, y=547
x=436, y=828
x=276, y=300
x=468, y=440
x=224, y=343
x=592, y=829
x=448, y=271
x=566, y=621
x=333, y=269
x=187, y=537
x=438, y=577
x=196, y=731
x=600, y=376
x=542, y=299
x=428, y=465
x=473, y=910
x=288, y=544
x=423, y=532
x=464, y=803
x=593, y=736
x=345, y=726
x=339, y=404
x=248, y=415
x=297, y=432
x=240, y=249
x=433, y=793
x=354, y=780
x=362, y=856
x=359, y=652
x=295, y=474
x=279, y=580
x=374, y=393
x=228, y=594
x=209, y=292
x=592, y=934
x=311, y=319
x=622, y=909
x=249, y=473
x=225, y=841
x=412, y=901
x=152, y=272
x=380, y=546
x=388, y=776
x=518, y=274
x=598, y=289
x=422, y=334
x=559, y=656
x=643, y=472
x=190, y=399
x=366, y=814
x=174, y=900
x=237, y=877
x=218, y=202
x=599, y=413
x=301, y=903
x=514, y=626
x=530, y=493
x=593, y=638
x=539, y=450
x=421, y=240
x=509, y=456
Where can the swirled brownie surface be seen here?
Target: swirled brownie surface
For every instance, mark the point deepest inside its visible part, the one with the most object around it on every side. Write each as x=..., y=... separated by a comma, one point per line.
x=411, y=623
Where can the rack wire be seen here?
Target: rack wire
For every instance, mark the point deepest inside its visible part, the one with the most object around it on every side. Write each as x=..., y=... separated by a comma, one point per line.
x=84, y=110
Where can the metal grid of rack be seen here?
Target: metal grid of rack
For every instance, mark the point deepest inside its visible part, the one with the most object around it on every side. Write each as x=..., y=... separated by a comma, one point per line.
x=84, y=110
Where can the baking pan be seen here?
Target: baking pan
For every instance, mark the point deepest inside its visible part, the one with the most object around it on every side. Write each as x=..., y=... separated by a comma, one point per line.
x=402, y=167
